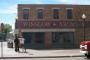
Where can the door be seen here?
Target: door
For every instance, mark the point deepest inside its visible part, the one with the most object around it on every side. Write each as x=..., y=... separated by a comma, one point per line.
x=68, y=40
x=57, y=40
x=28, y=39
x=39, y=40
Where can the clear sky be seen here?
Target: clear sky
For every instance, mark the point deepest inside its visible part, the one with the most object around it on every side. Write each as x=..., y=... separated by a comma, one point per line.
x=8, y=8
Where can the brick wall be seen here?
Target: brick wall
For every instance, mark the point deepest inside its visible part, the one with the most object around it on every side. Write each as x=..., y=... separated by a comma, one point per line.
x=78, y=10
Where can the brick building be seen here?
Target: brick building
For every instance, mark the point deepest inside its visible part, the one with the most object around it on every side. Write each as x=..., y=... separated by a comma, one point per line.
x=53, y=25
x=1, y=27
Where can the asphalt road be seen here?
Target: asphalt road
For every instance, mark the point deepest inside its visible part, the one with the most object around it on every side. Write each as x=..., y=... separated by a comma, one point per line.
x=66, y=58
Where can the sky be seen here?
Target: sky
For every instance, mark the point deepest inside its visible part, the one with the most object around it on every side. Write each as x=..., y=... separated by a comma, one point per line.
x=8, y=8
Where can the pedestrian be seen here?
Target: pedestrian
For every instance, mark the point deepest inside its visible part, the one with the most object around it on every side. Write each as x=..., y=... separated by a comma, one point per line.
x=21, y=39
x=16, y=41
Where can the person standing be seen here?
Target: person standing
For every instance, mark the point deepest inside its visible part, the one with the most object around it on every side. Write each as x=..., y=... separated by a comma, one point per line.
x=16, y=41
x=21, y=39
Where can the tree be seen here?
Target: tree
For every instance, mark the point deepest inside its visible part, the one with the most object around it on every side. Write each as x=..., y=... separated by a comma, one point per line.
x=7, y=29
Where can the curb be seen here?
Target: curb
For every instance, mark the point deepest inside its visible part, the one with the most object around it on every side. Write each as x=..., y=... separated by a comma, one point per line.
x=41, y=57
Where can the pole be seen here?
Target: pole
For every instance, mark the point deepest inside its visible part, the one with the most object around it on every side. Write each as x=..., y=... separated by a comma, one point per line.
x=2, y=29
x=84, y=28
x=2, y=46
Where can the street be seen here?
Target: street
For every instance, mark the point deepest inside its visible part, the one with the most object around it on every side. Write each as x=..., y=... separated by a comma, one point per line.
x=65, y=58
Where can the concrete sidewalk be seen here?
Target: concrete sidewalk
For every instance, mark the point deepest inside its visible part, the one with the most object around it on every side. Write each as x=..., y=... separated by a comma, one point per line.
x=32, y=53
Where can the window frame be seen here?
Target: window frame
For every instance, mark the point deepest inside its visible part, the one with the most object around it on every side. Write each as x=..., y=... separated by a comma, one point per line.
x=69, y=17
x=58, y=13
x=41, y=14
x=26, y=13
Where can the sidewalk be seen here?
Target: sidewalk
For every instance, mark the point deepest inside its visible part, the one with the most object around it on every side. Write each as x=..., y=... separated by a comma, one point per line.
x=31, y=53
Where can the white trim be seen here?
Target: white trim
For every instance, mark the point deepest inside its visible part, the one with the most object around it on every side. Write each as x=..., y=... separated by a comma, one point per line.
x=70, y=8
x=39, y=8
x=56, y=8
x=45, y=30
x=26, y=8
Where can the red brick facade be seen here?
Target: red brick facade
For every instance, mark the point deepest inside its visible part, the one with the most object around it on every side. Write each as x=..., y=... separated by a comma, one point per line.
x=49, y=25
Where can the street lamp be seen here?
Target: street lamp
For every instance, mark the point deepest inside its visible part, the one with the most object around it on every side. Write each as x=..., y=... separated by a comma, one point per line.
x=84, y=17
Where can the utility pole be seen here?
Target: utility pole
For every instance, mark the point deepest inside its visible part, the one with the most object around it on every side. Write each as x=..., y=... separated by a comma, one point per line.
x=2, y=29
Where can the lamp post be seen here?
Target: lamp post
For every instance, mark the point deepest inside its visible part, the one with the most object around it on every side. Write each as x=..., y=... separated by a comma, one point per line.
x=84, y=17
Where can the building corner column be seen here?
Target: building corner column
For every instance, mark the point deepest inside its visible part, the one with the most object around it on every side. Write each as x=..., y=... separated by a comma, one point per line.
x=48, y=39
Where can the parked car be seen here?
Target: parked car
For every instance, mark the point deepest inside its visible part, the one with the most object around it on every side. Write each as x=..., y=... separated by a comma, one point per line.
x=85, y=48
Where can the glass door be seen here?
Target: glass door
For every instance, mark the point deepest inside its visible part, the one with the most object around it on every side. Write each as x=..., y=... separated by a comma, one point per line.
x=39, y=40
x=57, y=39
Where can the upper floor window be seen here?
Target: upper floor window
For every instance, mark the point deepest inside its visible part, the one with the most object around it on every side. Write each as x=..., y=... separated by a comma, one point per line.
x=25, y=13
x=69, y=14
x=55, y=13
x=40, y=13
